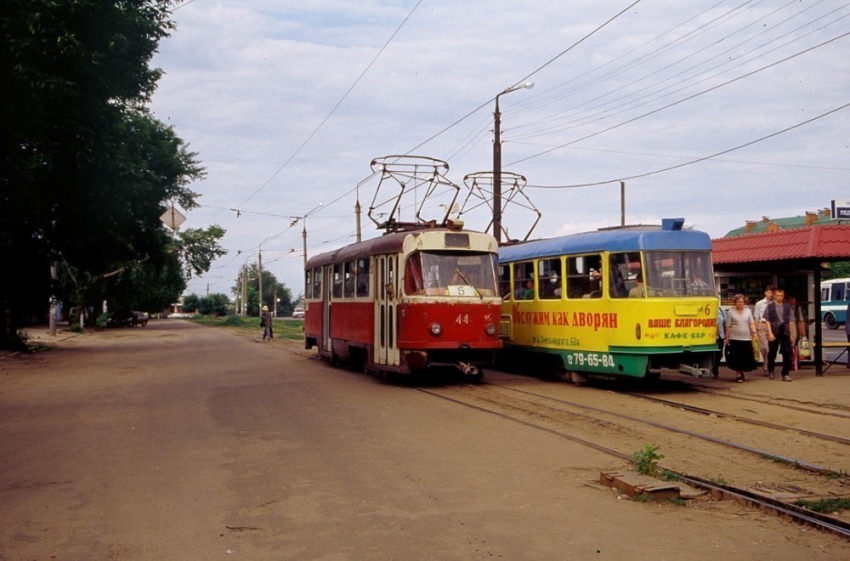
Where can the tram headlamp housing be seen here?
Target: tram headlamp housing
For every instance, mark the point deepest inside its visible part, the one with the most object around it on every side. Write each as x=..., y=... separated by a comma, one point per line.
x=490, y=329
x=435, y=329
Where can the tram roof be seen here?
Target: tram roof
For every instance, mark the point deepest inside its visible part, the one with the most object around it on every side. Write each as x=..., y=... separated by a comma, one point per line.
x=388, y=243
x=626, y=239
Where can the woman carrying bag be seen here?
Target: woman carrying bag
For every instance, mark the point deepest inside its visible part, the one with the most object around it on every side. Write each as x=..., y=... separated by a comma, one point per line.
x=740, y=330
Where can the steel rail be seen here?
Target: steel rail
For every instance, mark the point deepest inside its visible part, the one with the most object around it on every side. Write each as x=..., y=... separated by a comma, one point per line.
x=744, y=448
x=797, y=514
x=734, y=417
x=712, y=391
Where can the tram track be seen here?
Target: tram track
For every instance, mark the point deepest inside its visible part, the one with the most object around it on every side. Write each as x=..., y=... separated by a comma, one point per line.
x=739, y=418
x=829, y=410
x=562, y=424
x=797, y=463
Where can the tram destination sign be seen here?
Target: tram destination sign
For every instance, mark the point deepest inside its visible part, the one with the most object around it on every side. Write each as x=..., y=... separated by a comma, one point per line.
x=840, y=209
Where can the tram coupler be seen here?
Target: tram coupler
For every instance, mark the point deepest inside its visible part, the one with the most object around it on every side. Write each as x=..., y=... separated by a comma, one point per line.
x=467, y=369
x=695, y=371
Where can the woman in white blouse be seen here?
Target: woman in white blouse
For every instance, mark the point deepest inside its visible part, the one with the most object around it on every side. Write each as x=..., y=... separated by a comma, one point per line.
x=740, y=330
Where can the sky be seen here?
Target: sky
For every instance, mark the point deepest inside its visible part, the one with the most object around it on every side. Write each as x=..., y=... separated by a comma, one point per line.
x=715, y=111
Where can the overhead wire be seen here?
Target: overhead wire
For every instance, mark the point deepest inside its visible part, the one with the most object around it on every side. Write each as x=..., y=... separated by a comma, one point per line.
x=335, y=107
x=634, y=103
x=697, y=160
x=684, y=99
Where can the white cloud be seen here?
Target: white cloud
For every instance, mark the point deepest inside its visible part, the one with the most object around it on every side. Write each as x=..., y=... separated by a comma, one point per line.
x=248, y=82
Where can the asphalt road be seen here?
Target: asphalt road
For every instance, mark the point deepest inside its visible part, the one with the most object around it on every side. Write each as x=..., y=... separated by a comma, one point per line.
x=176, y=441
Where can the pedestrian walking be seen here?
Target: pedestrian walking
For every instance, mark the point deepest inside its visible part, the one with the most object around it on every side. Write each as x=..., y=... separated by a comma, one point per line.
x=740, y=331
x=779, y=320
x=266, y=323
x=761, y=327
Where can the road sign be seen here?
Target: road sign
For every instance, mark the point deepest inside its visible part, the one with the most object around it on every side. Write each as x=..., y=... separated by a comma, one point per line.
x=173, y=218
x=840, y=209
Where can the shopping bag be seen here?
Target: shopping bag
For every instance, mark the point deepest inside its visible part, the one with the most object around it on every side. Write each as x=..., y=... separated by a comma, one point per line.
x=756, y=352
x=804, y=349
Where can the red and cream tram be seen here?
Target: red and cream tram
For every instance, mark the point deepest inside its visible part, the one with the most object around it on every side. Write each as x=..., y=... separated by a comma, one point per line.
x=406, y=302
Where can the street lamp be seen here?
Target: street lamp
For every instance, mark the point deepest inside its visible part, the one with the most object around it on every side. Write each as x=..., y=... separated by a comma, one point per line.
x=497, y=161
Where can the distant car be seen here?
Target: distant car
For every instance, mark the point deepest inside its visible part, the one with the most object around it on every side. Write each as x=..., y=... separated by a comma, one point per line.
x=298, y=313
x=119, y=319
x=140, y=318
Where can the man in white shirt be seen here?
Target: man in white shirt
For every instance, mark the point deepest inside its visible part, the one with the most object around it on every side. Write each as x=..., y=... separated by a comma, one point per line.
x=761, y=325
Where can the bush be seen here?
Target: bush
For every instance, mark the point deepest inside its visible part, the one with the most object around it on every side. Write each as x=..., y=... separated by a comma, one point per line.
x=16, y=342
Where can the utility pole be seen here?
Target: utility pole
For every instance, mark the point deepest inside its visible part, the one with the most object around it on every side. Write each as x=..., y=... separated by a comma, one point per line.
x=260, y=279
x=357, y=215
x=244, y=289
x=497, y=161
x=622, y=203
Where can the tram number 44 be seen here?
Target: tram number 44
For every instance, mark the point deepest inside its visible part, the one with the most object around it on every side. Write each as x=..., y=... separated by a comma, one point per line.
x=590, y=359
x=462, y=319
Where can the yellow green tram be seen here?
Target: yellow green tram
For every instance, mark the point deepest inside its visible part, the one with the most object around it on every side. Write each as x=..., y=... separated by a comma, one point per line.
x=627, y=302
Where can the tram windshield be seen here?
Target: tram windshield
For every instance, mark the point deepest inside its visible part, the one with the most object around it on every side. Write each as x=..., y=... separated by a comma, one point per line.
x=678, y=273
x=442, y=273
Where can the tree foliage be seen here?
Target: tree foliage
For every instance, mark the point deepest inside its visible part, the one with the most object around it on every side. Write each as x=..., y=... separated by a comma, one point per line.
x=210, y=305
x=838, y=269
x=272, y=289
x=86, y=170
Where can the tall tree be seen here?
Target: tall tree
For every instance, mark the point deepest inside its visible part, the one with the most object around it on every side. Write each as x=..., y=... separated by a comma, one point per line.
x=272, y=288
x=85, y=170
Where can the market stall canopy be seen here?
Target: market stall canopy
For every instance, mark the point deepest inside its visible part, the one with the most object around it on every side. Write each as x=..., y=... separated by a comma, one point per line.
x=800, y=247
x=783, y=250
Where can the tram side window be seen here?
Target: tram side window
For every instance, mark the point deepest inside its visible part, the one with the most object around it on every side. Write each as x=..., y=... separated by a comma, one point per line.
x=584, y=276
x=362, y=278
x=624, y=270
x=308, y=283
x=505, y=281
x=338, y=274
x=348, y=280
x=524, y=281
x=551, y=279
x=317, y=283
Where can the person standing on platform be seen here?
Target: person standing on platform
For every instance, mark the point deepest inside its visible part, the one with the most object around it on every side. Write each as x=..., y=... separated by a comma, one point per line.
x=779, y=320
x=761, y=327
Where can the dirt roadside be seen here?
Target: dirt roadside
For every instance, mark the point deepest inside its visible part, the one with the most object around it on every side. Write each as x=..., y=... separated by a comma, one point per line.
x=222, y=471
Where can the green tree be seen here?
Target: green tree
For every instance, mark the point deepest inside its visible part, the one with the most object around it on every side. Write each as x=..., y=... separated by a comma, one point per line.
x=191, y=303
x=214, y=305
x=85, y=170
x=272, y=288
x=839, y=269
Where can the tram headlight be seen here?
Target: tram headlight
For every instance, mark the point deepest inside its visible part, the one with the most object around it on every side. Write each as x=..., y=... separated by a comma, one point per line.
x=436, y=329
x=490, y=329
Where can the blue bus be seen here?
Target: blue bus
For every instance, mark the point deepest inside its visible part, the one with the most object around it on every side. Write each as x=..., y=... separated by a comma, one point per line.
x=834, y=296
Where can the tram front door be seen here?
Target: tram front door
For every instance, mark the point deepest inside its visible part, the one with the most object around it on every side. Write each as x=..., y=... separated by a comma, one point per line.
x=386, y=346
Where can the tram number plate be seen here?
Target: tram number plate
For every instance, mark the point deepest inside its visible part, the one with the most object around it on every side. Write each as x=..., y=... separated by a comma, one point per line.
x=594, y=360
